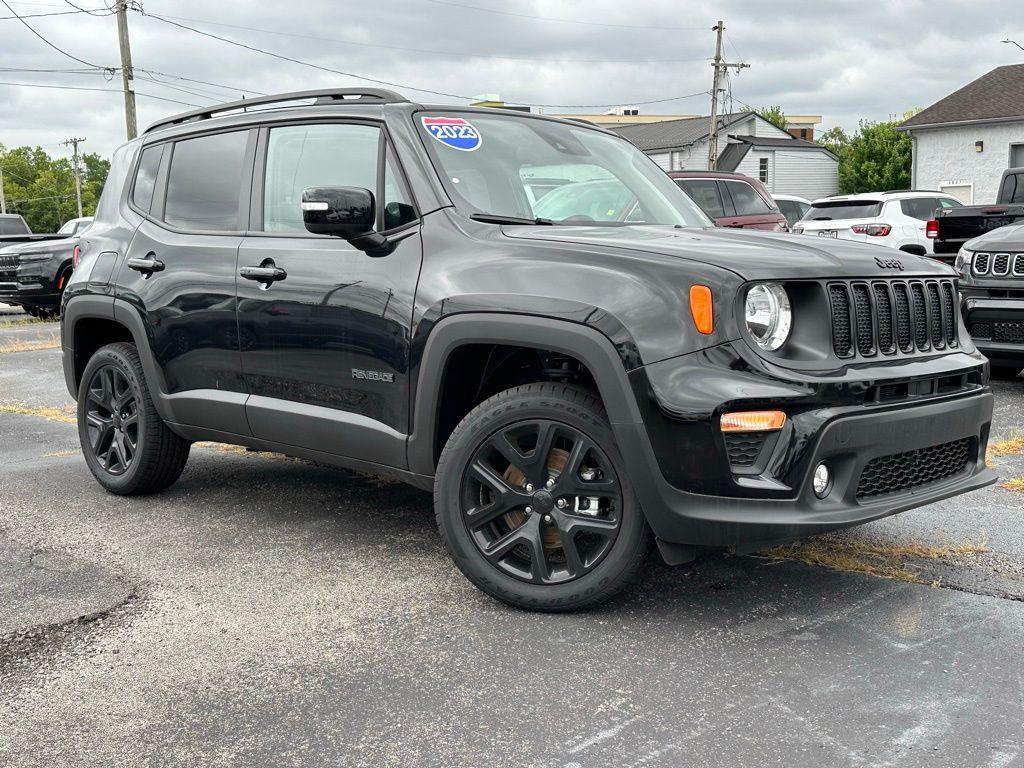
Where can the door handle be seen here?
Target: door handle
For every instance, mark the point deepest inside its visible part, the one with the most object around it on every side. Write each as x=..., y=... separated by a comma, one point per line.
x=146, y=266
x=263, y=274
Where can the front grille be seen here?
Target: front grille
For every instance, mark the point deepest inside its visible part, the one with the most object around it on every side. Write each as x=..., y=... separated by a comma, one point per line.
x=999, y=264
x=903, y=471
x=8, y=265
x=743, y=447
x=893, y=316
x=1008, y=333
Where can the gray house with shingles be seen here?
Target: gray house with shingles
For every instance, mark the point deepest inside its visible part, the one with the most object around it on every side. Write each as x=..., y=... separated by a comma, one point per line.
x=748, y=144
x=964, y=142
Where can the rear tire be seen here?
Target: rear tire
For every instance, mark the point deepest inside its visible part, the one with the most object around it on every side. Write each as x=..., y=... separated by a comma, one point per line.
x=128, y=447
x=557, y=531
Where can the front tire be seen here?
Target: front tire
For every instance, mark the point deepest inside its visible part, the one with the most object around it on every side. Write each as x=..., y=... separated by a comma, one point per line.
x=1005, y=371
x=533, y=502
x=129, y=449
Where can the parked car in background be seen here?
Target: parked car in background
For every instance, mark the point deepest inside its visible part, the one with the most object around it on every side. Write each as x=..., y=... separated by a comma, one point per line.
x=732, y=199
x=792, y=207
x=33, y=274
x=992, y=296
x=953, y=227
x=897, y=218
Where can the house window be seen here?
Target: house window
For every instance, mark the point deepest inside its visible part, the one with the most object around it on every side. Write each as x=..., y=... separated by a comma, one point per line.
x=762, y=170
x=803, y=133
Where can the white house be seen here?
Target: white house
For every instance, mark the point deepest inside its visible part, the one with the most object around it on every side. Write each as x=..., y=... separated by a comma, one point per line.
x=748, y=144
x=963, y=143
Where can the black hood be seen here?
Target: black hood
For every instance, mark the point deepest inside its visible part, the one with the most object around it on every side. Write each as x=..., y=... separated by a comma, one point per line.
x=1010, y=238
x=751, y=254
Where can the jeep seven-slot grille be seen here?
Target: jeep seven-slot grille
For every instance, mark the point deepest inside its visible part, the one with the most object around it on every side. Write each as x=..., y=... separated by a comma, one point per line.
x=998, y=264
x=886, y=317
x=903, y=471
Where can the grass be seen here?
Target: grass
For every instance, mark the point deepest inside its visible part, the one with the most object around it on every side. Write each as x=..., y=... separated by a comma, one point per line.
x=27, y=320
x=47, y=342
x=889, y=562
x=65, y=414
x=1008, y=446
x=1014, y=484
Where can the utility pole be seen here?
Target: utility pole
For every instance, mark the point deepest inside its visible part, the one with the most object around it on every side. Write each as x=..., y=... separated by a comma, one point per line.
x=127, y=76
x=720, y=68
x=78, y=171
x=3, y=200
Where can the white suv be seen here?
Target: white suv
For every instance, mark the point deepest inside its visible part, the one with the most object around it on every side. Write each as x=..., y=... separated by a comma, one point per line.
x=897, y=219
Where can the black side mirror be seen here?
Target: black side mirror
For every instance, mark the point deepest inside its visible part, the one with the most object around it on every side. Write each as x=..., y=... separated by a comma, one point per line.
x=346, y=212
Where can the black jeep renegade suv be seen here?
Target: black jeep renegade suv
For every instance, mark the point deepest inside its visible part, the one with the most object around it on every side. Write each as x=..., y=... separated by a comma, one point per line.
x=524, y=315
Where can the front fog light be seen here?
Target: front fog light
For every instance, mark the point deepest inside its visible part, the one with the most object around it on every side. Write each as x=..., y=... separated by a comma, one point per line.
x=822, y=482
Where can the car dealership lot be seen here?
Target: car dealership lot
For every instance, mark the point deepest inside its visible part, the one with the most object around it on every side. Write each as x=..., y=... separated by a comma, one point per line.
x=270, y=611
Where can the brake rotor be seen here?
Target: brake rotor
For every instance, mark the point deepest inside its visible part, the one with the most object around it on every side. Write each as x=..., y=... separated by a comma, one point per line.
x=556, y=465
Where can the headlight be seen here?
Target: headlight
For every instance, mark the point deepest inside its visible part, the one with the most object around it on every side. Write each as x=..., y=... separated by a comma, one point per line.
x=768, y=315
x=964, y=258
x=28, y=257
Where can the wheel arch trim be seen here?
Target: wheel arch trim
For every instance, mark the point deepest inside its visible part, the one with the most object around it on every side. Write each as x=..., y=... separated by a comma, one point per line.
x=589, y=346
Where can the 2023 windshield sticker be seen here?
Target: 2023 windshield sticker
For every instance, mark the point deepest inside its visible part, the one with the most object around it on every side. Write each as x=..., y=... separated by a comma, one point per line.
x=455, y=132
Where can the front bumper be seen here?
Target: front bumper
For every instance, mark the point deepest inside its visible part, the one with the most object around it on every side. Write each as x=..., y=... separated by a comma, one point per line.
x=28, y=284
x=996, y=325
x=690, y=500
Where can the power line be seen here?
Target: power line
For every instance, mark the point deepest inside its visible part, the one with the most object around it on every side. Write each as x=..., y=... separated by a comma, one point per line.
x=41, y=15
x=432, y=51
x=60, y=50
x=98, y=90
x=562, y=21
x=322, y=68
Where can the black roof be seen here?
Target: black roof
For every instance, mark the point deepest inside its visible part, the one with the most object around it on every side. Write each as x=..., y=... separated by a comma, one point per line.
x=997, y=95
x=735, y=151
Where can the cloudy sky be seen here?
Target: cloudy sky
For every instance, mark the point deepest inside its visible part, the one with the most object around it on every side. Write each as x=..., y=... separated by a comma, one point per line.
x=843, y=60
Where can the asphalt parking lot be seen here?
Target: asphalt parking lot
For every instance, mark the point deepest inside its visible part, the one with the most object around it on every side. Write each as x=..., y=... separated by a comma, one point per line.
x=268, y=611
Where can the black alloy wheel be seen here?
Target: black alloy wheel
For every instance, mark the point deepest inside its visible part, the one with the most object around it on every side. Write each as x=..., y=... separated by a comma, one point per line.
x=112, y=419
x=541, y=501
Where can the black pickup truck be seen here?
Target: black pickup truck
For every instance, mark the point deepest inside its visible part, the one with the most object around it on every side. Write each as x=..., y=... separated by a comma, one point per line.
x=952, y=227
x=35, y=268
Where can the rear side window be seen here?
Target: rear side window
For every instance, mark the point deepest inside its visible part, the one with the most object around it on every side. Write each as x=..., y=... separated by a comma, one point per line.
x=705, y=193
x=746, y=200
x=920, y=208
x=205, y=181
x=145, y=177
x=844, y=209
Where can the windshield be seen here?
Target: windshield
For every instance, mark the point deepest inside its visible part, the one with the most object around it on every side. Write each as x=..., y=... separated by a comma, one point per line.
x=844, y=209
x=528, y=168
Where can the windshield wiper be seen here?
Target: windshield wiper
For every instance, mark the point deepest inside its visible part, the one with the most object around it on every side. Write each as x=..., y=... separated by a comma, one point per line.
x=494, y=218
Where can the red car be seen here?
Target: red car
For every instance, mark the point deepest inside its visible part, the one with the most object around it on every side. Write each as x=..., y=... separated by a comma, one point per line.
x=732, y=199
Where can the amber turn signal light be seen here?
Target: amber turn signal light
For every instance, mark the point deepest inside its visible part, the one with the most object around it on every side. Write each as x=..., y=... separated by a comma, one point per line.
x=702, y=309
x=753, y=421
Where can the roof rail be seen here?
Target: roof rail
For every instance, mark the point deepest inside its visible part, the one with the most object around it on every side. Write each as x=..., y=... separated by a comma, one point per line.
x=322, y=96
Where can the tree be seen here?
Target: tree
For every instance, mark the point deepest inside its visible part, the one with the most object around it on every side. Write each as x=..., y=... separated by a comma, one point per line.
x=773, y=114
x=42, y=189
x=875, y=158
